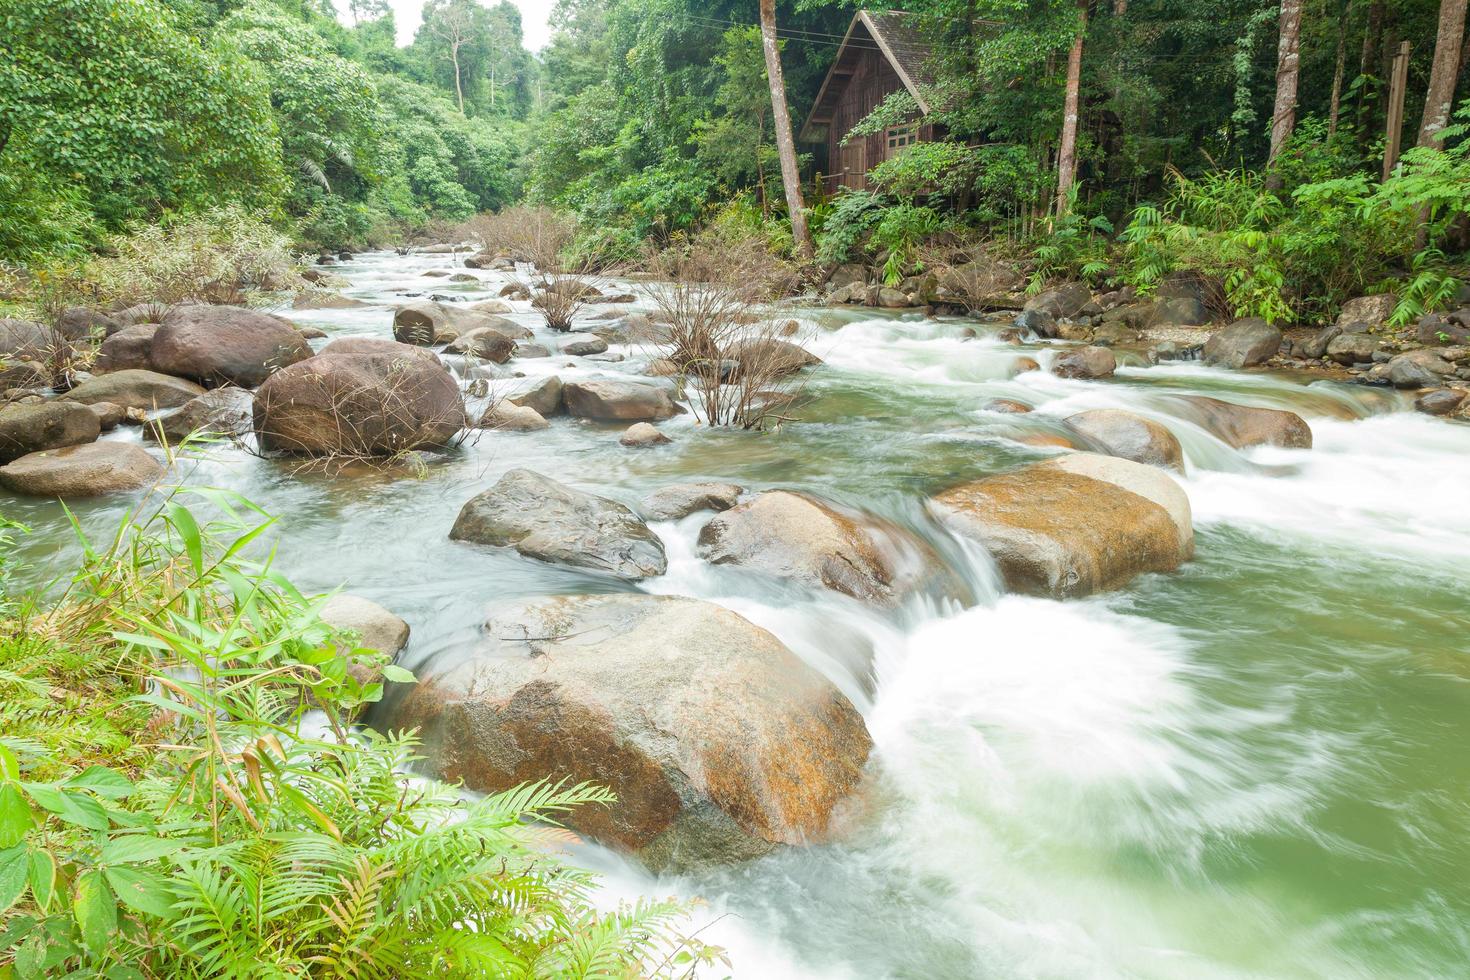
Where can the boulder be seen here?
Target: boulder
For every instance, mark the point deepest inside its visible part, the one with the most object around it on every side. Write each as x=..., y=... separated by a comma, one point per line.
x=1314, y=348
x=82, y=324
x=30, y=354
x=1023, y=364
x=1113, y=334
x=720, y=744
x=552, y=522
x=1244, y=343
x=128, y=349
x=526, y=351
x=769, y=357
x=25, y=429
x=1178, y=311
x=980, y=284
x=892, y=299
x=375, y=403
x=846, y=275
x=1085, y=362
x=817, y=544
x=1434, y=328
x=428, y=323
x=327, y=280
x=1038, y=322
x=1244, y=426
x=682, y=499
x=485, y=343
x=89, y=470
x=493, y=307
x=642, y=434
x=582, y=344
x=109, y=416
x=224, y=345
x=1369, y=311
x=1352, y=348
x=509, y=417
x=220, y=412
x=1129, y=436
x=375, y=628
x=1441, y=401
x=321, y=299
x=544, y=396
x=515, y=291
x=1074, y=524
x=134, y=388
x=1419, y=369
x=1061, y=301
x=628, y=401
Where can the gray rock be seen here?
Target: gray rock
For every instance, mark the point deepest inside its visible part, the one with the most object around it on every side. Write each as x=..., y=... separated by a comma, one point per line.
x=544, y=396
x=1244, y=343
x=127, y=349
x=1244, y=426
x=25, y=429
x=135, y=389
x=1419, y=369
x=1085, y=362
x=1061, y=301
x=1370, y=311
x=1441, y=401
x=221, y=412
x=82, y=324
x=1129, y=436
x=485, y=343
x=580, y=345
x=627, y=401
x=550, y=521
x=1039, y=322
x=641, y=434
x=375, y=627
x=89, y=470
x=682, y=499
x=1352, y=348
x=224, y=345
x=509, y=417
x=109, y=416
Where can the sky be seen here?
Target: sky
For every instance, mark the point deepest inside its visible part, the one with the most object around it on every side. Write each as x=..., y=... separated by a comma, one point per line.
x=408, y=13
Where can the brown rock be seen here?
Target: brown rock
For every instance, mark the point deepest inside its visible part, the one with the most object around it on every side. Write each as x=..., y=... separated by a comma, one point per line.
x=641, y=434
x=628, y=401
x=128, y=349
x=1129, y=436
x=682, y=499
x=90, y=470
x=25, y=429
x=134, y=388
x=1085, y=362
x=544, y=396
x=224, y=345
x=1243, y=426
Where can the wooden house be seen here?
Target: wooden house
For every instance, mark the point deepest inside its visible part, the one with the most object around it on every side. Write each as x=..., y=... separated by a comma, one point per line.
x=881, y=53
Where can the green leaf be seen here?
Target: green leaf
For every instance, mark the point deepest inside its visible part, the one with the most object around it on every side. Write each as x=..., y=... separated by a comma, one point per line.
x=9, y=764
x=43, y=876
x=188, y=529
x=95, y=909
x=143, y=890
x=14, y=864
x=102, y=781
x=45, y=795
x=15, y=816
x=82, y=810
x=393, y=672
x=137, y=849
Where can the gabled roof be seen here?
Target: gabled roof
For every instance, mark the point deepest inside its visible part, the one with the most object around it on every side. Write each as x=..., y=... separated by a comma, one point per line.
x=894, y=33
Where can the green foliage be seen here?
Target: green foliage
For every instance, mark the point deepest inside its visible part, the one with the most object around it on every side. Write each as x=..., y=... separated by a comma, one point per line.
x=844, y=227
x=1074, y=247
x=899, y=232
x=220, y=816
x=936, y=166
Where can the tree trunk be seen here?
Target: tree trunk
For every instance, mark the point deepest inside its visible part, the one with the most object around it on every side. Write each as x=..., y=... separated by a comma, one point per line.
x=1372, y=34
x=458, y=90
x=1288, y=68
x=1445, y=73
x=1335, y=105
x=781, y=118
x=1067, y=154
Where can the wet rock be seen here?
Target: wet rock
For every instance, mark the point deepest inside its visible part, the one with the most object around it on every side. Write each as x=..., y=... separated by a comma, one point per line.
x=109, y=416
x=1023, y=364
x=552, y=522
x=509, y=417
x=135, y=389
x=682, y=499
x=769, y=357
x=1244, y=343
x=641, y=434
x=128, y=349
x=1419, y=369
x=817, y=544
x=1315, y=347
x=544, y=396
x=311, y=333
x=1352, y=348
x=1129, y=436
x=719, y=742
x=1441, y=401
x=485, y=343
x=82, y=324
x=463, y=277
x=321, y=299
x=530, y=351
x=221, y=412
x=1039, y=322
x=327, y=280
x=1433, y=328
x=1244, y=426
x=375, y=627
x=493, y=307
x=428, y=323
x=1085, y=362
x=628, y=401
x=25, y=429
x=378, y=402
x=1065, y=300
x=89, y=470
x=515, y=291
x=1074, y=524
x=581, y=344
x=1045, y=440
x=1369, y=311
x=224, y=345
x=1006, y=406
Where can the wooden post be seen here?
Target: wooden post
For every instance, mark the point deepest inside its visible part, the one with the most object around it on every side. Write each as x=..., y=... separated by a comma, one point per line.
x=1398, y=82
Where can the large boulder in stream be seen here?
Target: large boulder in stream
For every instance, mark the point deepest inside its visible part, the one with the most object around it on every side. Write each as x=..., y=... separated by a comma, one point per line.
x=128, y=349
x=1085, y=363
x=428, y=323
x=26, y=429
x=720, y=743
x=225, y=345
x=547, y=520
x=1074, y=524
x=820, y=545
x=1061, y=301
x=363, y=397
x=622, y=401
x=682, y=499
x=135, y=388
x=1129, y=436
x=90, y=470
x=485, y=343
x=1244, y=343
x=1244, y=426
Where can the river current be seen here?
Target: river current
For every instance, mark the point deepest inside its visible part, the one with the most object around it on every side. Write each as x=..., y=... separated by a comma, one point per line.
x=1256, y=766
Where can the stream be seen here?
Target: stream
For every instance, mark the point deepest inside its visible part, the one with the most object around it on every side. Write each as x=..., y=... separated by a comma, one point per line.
x=1256, y=766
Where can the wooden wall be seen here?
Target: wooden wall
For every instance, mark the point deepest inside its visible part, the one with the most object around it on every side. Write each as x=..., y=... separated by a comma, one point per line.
x=871, y=82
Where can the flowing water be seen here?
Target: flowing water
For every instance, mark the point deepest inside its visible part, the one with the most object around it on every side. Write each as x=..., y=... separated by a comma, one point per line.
x=1254, y=767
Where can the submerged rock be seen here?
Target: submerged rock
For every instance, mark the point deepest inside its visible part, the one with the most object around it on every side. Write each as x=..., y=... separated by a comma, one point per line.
x=719, y=742
x=224, y=345
x=90, y=470
x=25, y=429
x=1075, y=524
x=795, y=536
x=1129, y=436
x=552, y=522
x=1243, y=426
x=682, y=499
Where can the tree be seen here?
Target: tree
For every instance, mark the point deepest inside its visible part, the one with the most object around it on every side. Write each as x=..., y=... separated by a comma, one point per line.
x=456, y=24
x=1445, y=71
x=1288, y=69
x=781, y=116
x=1067, y=153
x=366, y=10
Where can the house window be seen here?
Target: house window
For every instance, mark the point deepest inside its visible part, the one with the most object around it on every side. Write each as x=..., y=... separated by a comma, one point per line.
x=901, y=136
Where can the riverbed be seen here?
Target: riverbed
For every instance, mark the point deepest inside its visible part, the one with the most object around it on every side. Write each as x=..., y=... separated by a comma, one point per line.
x=1255, y=766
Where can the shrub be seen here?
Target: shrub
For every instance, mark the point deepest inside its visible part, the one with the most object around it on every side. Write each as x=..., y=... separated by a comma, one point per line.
x=845, y=227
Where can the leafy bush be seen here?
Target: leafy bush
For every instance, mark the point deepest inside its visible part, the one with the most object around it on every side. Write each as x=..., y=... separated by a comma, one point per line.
x=852, y=215
x=182, y=793
x=900, y=232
